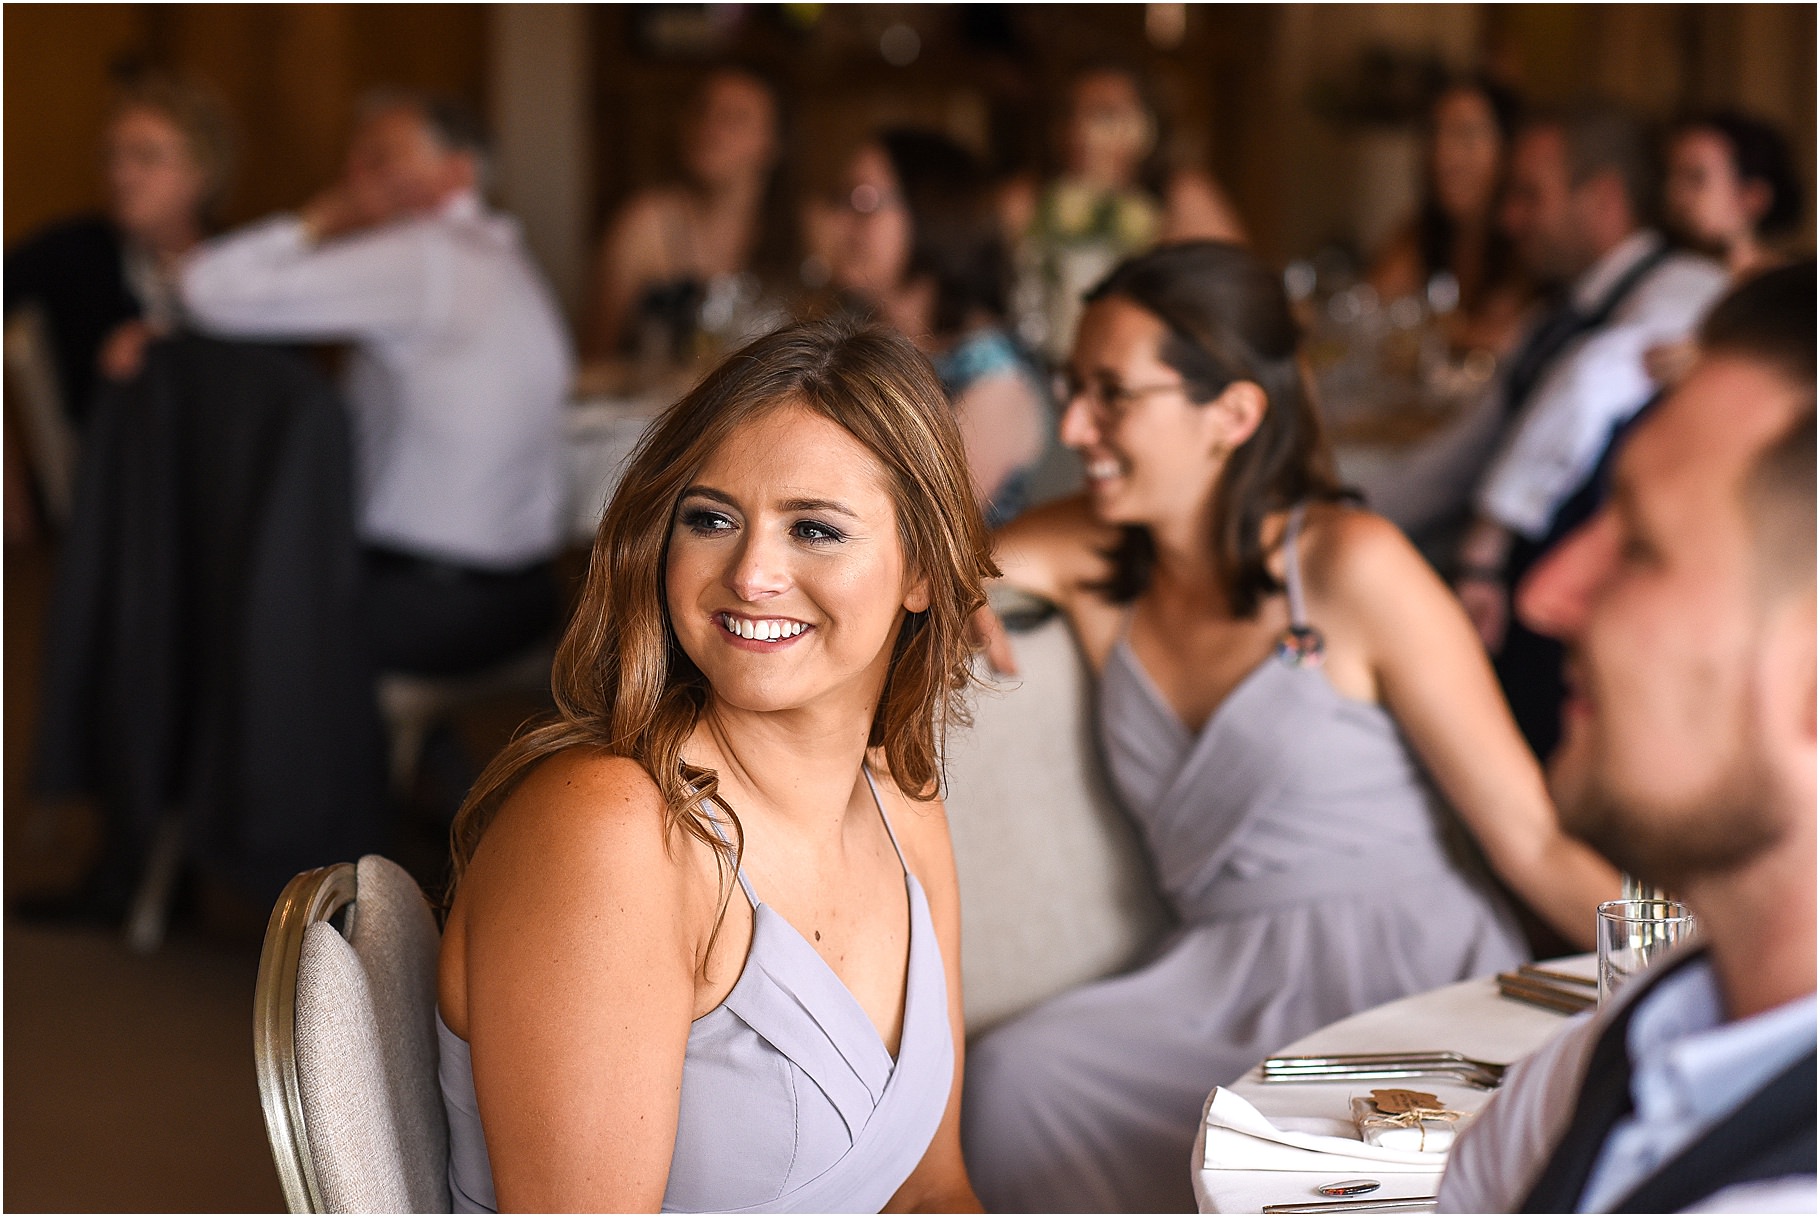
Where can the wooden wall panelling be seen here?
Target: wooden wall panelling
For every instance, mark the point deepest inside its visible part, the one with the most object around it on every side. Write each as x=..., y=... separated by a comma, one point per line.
x=57, y=94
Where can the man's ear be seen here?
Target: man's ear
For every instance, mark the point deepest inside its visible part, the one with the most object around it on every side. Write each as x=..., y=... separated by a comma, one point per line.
x=1235, y=414
x=1788, y=684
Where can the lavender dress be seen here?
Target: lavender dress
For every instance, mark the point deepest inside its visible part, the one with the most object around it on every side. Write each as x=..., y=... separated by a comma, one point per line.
x=790, y=1101
x=1316, y=874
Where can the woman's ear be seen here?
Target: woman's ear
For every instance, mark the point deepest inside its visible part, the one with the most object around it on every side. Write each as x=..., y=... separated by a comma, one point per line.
x=1234, y=415
x=917, y=598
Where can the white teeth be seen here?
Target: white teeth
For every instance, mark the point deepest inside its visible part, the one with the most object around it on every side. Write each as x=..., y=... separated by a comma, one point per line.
x=1103, y=469
x=761, y=631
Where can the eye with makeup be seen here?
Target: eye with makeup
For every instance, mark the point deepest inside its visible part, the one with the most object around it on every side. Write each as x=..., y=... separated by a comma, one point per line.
x=704, y=521
x=707, y=522
x=816, y=533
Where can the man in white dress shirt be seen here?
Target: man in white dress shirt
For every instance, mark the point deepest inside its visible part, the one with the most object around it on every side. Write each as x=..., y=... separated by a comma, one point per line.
x=1582, y=188
x=1688, y=757
x=457, y=378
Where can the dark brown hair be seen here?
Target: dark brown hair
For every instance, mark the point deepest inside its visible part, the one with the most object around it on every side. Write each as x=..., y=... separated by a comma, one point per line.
x=1228, y=320
x=624, y=685
x=955, y=233
x=1759, y=153
x=1769, y=319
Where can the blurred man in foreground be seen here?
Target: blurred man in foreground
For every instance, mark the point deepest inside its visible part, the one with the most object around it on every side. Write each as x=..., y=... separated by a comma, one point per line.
x=1688, y=610
x=458, y=377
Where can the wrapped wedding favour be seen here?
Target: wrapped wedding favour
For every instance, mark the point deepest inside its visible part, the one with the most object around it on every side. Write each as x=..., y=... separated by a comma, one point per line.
x=1410, y=1120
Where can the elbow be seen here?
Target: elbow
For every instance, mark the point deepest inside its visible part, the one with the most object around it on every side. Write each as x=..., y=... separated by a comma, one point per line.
x=210, y=299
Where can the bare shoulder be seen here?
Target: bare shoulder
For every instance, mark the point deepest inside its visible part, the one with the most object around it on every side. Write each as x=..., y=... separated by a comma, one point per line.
x=580, y=821
x=1347, y=549
x=1052, y=549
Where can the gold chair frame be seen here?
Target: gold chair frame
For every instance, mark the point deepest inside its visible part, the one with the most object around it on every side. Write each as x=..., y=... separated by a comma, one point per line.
x=315, y=895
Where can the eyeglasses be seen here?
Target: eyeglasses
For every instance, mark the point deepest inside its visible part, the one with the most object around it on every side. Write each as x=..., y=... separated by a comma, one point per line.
x=1106, y=403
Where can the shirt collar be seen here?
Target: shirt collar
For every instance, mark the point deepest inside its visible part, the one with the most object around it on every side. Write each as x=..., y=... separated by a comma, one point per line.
x=462, y=205
x=1686, y=1059
x=1590, y=288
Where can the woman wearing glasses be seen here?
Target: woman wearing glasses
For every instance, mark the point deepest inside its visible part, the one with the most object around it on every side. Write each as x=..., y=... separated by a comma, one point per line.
x=1289, y=703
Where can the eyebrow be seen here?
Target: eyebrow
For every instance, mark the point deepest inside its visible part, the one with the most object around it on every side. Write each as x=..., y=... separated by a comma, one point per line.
x=820, y=505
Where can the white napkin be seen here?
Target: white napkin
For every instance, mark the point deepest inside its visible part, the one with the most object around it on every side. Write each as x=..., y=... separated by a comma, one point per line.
x=1240, y=1138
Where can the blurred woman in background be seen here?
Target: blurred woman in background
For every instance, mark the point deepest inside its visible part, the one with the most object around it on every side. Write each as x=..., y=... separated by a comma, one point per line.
x=671, y=246
x=1114, y=194
x=1731, y=189
x=918, y=240
x=106, y=283
x=1296, y=713
x=1453, y=254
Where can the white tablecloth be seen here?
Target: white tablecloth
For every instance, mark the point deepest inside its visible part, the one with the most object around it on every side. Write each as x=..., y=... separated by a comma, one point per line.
x=601, y=433
x=1469, y=1017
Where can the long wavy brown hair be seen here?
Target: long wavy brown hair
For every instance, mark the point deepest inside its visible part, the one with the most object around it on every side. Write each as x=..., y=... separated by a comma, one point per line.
x=623, y=684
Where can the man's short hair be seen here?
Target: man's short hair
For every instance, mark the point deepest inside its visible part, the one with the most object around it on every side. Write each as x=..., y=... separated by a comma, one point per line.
x=454, y=124
x=1603, y=138
x=1769, y=320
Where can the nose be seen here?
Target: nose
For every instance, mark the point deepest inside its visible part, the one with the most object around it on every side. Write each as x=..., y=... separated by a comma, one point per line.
x=1078, y=430
x=760, y=567
x=1558, y=595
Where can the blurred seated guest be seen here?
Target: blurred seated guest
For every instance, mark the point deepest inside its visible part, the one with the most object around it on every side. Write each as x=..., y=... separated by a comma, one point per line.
x=106, y=283
x=457, y=378
x=1688, y=760
x=919, y=241
x=727, y=216
x=1730, y=193
x=1114, y=195
x=1297, y=715
x=1731, y=189
x=1453, y=253
x=1582, y=192
x=703, y=946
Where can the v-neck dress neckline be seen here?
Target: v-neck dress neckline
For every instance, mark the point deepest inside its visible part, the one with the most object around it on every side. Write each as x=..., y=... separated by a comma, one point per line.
x=790, y=1100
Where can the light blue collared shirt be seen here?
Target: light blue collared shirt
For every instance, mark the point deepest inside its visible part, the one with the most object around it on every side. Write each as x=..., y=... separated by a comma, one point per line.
x=1689, y=1070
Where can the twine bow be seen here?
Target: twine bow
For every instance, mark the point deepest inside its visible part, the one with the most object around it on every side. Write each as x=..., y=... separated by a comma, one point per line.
x=1411, y=1109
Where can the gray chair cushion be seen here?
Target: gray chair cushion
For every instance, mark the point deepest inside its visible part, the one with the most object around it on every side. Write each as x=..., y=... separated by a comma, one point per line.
x=1055, y=887
x=366, y=1051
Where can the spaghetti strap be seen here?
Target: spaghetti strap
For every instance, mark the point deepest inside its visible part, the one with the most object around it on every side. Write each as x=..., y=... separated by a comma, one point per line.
x=1301, y=645
x=745, y=883
x=1292, y=567
x=889, y=831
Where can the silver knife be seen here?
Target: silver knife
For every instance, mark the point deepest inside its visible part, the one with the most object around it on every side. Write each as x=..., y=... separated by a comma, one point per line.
x=1405, y=1204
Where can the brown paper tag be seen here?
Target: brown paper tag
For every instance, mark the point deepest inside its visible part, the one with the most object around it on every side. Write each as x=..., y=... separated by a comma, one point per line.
x=1396, y=1102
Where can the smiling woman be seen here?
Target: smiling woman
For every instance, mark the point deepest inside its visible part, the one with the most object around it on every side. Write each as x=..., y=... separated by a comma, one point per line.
x=774, y=621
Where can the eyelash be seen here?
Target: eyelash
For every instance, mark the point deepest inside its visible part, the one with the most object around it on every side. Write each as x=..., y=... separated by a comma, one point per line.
x=705, y=523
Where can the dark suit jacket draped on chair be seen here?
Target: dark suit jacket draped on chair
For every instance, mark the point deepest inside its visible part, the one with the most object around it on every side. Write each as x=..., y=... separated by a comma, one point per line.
x=204, y=649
